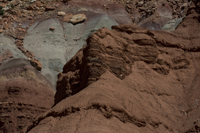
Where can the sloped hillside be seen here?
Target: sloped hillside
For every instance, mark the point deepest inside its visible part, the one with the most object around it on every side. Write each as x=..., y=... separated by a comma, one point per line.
x=130, y=79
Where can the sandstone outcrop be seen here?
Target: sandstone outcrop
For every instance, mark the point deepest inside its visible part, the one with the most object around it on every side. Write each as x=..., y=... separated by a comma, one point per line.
x=130, y=79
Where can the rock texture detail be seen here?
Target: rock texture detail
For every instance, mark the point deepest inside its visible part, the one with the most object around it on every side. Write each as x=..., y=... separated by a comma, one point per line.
x=117, y=77
x=130, y=79
x=54, y=48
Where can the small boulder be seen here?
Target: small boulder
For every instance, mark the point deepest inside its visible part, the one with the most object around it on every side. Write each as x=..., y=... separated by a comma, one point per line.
x=36, y=64
x=185, y=5
x=31, y=7
x=140, y=3
x=61, y=13
x=78, y=18
x=49, y=8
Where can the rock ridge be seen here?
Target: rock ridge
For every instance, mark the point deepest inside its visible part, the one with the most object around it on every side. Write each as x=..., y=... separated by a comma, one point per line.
x=148, y=80
x=99, y=56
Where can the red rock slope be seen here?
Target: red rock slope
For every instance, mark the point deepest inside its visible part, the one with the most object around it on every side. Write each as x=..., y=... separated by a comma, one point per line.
x=130, y=79
x=24, y=94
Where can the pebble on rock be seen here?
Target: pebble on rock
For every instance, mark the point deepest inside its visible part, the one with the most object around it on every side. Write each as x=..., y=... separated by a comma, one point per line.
x=51, y=28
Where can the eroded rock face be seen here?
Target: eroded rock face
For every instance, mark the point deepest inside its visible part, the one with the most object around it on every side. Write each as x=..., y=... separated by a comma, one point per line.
x=130, y=79
x=106, y=50
x=25, y=94
x=125, y=79
x=53, y=48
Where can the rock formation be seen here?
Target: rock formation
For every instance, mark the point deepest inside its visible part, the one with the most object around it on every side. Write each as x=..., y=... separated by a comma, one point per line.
x=53, y=48
x=33, y=19
x=117, y=76
x=130, y=79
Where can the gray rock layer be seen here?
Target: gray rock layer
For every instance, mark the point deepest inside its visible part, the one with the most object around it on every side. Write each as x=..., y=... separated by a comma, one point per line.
x=54, y=48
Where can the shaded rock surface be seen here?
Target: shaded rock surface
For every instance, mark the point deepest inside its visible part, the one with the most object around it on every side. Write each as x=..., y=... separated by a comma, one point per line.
x=130, y=79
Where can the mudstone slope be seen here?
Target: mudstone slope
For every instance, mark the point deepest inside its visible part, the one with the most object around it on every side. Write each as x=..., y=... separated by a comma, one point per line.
x=48, y=50
x=24, y=92
x=130, y=79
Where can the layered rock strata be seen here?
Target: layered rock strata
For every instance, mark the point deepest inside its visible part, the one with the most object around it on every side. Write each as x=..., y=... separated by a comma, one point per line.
x=53, y=48
x=130, y=79
x=25, y=94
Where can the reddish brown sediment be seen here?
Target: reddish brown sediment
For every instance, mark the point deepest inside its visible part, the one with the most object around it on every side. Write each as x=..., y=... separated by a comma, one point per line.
x=130, y=79
x=25, y=94
x=125, y=79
